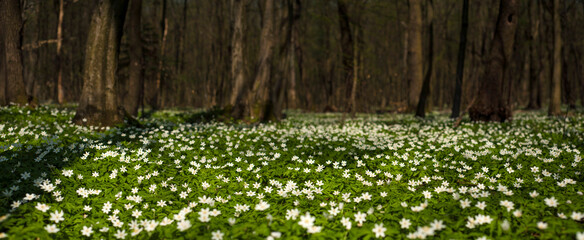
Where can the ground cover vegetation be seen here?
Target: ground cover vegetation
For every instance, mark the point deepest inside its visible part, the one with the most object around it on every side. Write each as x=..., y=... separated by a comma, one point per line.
x=376, y=176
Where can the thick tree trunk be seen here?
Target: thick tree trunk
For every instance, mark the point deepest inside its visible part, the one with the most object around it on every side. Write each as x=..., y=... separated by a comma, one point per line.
x=534, y=57
x=556, y=80
x=492, y=101
x=11, y=32
x=460, y=64
x=348, y=51
x=135, y=84
x=425, y=92
x=237, y=99
x=260, y=102
x=98, y=103
x=415, y=63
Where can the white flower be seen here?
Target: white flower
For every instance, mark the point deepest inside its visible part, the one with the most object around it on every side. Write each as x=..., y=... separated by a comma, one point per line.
x=51, y=228
x=57, y=216
x=86, y=231
x=465, y=203
x=292, y=214
x=505, y=225
x=42, y=207
x=507, y=204
x=217, y=235
x=120, y=234
x=427, y=194
x=551, y=202
x=360, y=218
x=379, y=230
x=306, y=221
x=542, y=225
x=517, y=213
x=577, y=216
x=481, y=205
x=314, y=229
x=580, y=236
x=262, y=206
x=405, y=223
x=183, y=225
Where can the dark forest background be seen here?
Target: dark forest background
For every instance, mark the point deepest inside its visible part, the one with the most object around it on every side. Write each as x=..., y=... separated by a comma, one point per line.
x=187, y=46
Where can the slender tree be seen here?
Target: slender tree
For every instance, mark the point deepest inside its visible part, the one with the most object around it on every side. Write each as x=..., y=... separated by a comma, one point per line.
x=60, y=93
x=425, y=92
x=12, y=65
x=492, y=101
x=348, y=51
x=460, y=62
x=415, y=64
x=556, y=81
x=98, y=104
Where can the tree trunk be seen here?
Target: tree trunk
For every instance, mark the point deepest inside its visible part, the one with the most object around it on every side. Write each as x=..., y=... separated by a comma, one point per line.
x=135, y=84
x=98, y=103
x=236, y=101
x=415, y=63
x=460, y=63
x=534, y=57
x=11, y=22
x=159, y=95
x=3, y=100
x=294, y=15
x=556, y=80
x=425, y=92
x=348, y=51
x=260, y=102
x=60, y=93
x=183, y=35
x=492, y=101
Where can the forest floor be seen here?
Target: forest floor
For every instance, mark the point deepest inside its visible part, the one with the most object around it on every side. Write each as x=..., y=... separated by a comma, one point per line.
x=388, y=176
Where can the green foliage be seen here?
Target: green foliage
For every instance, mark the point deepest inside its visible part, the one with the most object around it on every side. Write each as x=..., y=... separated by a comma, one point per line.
x=180, y=166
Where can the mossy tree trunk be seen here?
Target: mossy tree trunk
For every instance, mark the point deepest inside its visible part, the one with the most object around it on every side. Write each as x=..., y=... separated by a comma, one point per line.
x=11, y=64
x=493, y=101
x=98, y=104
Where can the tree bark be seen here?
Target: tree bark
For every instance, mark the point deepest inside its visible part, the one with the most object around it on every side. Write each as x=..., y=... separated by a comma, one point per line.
x=348, y=51
x=159, y=95
x=492, y=101
x=98, y=103
x=11, y=22
x=135, y=84
x=237, y=99
x=415, y=63
x=534, y=57
x=294, y=11
x=260, y=101
x=60, y=93
x=556, y=80
x=425, y=92
x=460, y=64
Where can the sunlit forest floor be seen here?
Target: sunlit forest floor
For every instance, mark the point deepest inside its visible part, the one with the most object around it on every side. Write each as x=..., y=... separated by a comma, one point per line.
x=391, y=176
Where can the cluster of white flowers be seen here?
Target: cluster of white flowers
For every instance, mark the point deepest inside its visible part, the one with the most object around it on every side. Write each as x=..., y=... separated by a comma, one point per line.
x=182, y=176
